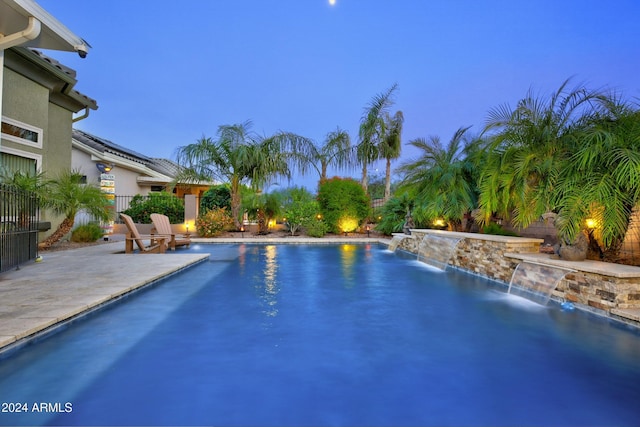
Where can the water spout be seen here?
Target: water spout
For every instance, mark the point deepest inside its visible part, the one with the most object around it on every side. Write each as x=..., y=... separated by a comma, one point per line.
x=437, y=250
x=536, y=281
x=395, y=241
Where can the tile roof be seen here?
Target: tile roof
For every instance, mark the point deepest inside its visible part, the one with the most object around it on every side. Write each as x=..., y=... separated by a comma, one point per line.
x=55, y=63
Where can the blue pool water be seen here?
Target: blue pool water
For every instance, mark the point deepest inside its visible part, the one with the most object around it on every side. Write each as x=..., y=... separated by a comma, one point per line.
x=327, y=335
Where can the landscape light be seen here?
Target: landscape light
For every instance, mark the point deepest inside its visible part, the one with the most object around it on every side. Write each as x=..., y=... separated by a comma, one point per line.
x=104, y=167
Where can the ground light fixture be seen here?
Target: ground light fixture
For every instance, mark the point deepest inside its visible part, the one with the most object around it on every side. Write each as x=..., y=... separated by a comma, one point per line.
x=348, y=224
x=242, y=231
x=368, y=231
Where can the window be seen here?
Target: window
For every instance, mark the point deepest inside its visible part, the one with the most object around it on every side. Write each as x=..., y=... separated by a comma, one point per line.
x=157, y=188
x=12, y=160
x=22, y=133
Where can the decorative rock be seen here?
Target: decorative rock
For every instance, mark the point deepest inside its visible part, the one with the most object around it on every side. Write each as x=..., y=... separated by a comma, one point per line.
x=576, y=251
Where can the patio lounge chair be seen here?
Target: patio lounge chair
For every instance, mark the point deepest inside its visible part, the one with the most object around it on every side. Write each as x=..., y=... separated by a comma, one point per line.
x=162, y=226
x=158, y=244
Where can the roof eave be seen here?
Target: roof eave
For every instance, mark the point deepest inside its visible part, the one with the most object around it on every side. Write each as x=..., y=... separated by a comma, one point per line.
x=54, y=35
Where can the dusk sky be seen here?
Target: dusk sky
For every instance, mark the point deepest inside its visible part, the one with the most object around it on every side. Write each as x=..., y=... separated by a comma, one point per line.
x=166, y=73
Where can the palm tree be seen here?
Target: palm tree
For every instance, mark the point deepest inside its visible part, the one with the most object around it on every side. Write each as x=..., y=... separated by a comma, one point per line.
x=601, y=179
x=25, y=181
x=373, y=130
x=240, y=156
x=391, y=145
x=527, y=151
x=335, y=151
x=32, y=183
x=67, y=195
x=440, y=179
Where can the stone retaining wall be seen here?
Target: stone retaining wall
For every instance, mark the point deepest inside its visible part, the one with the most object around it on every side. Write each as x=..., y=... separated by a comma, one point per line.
x=481, y=254
x=596, y=291
x=609, y=289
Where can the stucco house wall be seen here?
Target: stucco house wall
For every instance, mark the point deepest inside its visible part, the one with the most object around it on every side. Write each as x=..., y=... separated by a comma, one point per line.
x=26, y=102
x=38, y=95
x=125, y=178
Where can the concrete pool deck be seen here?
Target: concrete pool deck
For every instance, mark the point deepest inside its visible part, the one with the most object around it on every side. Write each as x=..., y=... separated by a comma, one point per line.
x=66, y=284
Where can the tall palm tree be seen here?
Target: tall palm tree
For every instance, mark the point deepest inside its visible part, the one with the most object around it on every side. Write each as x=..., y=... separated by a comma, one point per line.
x=335, y=151
x=67, y=195
x=373, y=130
x=528, y=149
x=440, y=179
x=240, y=156
x=391, y=145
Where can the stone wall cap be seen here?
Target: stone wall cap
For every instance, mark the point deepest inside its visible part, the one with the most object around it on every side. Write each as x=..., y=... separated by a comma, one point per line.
x=479, y=236
x=609, y=269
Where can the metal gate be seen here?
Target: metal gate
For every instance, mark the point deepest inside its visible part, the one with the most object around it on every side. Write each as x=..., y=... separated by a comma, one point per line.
x=19, y=217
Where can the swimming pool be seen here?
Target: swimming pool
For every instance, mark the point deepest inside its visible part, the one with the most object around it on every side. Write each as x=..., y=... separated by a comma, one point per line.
x=326, y=335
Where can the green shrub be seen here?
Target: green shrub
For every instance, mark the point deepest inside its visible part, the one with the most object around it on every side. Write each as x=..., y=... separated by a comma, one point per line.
x=218, y=196
x=299, y=209
x=213, y=222
x=315, y=228
x=393, y=214
x=141, y=207
x=496, y=229
x=343, y=204
x=87, y=233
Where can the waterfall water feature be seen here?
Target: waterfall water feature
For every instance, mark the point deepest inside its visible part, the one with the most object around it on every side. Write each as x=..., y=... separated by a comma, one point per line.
x=535, y=281
x=395, y=241
x=437, y=250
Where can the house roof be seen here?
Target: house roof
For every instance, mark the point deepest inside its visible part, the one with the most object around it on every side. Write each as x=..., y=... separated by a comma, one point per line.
x=50, y=73
x=153, y=170
x=165, y=166
x=105, y=146
x=18, y=15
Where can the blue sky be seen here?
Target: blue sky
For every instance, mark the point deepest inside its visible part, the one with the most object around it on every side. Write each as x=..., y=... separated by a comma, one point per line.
x=166, y=73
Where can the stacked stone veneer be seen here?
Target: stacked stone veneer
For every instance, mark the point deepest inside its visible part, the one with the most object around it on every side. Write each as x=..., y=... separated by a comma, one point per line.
x=600, y=292
x=605, y=287
x=481, y=254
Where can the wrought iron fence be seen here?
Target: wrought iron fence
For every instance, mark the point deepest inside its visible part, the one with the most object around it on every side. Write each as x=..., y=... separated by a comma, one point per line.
x=19, y=218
